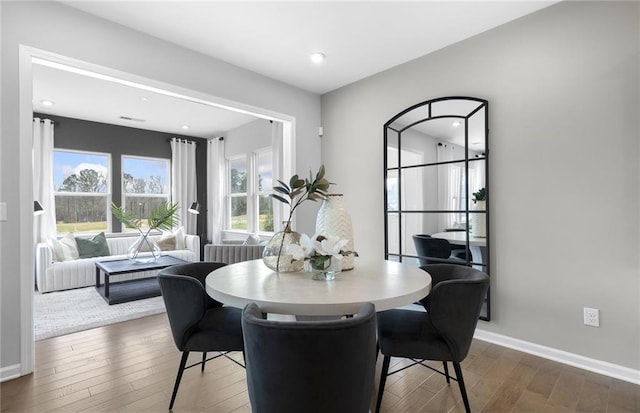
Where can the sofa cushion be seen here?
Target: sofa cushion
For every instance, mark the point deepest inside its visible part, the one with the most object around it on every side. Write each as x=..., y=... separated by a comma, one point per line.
x=65, y=248
x=167, y=243
x=95, y=246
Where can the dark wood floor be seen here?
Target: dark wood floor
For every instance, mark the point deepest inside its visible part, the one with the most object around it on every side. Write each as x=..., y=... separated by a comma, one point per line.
x=131, y=366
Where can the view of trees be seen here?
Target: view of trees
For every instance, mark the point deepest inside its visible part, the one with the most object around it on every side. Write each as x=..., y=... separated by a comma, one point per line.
x=82, y=208
x=79, y=204
x=151, y=185
x=239, y=204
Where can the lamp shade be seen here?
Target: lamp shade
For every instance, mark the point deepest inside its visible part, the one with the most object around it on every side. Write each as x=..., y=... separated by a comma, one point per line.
x=37, y=208
x=194, y=208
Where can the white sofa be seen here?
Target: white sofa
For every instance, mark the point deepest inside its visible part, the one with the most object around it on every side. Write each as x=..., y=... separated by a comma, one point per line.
x=54, y=276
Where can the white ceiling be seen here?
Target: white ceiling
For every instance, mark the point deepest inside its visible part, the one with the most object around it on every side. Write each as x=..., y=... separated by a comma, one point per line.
x=359, y=38
x=84, y=97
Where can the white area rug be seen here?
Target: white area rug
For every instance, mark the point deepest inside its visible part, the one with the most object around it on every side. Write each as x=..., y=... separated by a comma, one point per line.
x=64, y=312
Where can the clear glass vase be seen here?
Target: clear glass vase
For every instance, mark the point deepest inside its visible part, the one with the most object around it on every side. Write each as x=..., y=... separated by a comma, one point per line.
x=277, y=253
x=323, y=268
x=144, y=250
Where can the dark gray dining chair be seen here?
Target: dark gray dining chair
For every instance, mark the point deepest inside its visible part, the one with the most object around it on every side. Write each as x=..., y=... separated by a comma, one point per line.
x=310, y=366
x=433, y=250
x=198, y=323
x=442, y=333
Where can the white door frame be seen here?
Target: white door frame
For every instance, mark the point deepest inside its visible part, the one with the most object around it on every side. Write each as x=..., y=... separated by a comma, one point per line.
x=27, y=56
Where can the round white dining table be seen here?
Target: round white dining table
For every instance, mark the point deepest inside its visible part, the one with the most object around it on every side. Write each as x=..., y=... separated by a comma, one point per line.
x=386, y=284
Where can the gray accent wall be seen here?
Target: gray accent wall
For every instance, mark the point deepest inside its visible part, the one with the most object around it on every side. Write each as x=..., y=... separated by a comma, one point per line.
x=563, y=90
x=62, y=30
x=83, y=135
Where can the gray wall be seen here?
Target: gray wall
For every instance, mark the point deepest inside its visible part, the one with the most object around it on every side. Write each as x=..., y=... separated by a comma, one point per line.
x=562, y=86
x=78, y=134
x=56, y=28
x=247, y=138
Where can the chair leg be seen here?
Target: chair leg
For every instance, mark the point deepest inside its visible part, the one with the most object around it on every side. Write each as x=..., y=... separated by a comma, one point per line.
x=204, y=359
x=446, y=371
x=183, y=362
x=463, y=390
x=383, y=379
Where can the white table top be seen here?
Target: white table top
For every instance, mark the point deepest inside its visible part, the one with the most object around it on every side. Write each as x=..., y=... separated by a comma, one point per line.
x=386, y=284
x=460, y=238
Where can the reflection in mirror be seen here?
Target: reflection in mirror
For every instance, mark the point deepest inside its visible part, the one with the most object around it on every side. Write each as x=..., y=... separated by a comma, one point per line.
x=436, y=184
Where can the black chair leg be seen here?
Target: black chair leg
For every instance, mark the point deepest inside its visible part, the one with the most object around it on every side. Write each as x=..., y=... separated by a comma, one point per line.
x=204, y=360
x=383, y=379
x=183, y=362
x=446, y=371
x=463, y=390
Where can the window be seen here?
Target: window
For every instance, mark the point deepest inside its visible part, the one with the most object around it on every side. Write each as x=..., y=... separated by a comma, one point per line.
x=145, y=184
x=238, y=193
x=264, y=163
x=82, y=191
x=250, y=183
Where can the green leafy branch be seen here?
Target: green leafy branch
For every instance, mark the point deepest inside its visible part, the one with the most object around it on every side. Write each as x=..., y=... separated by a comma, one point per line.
x=299, y=190
x=481, y=195
x=296, y=192
x=163, y=217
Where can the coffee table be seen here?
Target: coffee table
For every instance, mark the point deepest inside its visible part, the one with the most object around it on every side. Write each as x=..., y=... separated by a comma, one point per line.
x=125, y=291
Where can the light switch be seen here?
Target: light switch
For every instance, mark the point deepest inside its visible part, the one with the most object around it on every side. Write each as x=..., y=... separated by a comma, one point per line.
x=3, y=211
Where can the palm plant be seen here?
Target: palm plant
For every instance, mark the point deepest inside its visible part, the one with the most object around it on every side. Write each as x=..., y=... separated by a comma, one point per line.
x=163, y=217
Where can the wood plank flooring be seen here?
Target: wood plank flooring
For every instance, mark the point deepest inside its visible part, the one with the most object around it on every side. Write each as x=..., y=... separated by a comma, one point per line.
x=131, y=367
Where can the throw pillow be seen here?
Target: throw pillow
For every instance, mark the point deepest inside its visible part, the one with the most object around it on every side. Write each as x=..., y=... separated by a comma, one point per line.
x=167, y=243
x=178, y=234
x=253, y=239
x=65, y=248
x=95, y=246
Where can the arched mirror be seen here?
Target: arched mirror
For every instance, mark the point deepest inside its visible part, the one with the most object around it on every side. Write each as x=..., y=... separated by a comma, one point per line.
x=436, y=186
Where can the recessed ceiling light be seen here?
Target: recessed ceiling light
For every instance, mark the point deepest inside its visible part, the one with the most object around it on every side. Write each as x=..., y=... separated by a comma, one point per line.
x=144, y=98
x=185, y=127
x=47, y=103
x=456, y=123
x=317, y=57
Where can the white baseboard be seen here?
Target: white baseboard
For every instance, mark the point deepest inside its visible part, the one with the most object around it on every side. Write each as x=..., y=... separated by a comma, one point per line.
x=575, y=360
x=10, y=372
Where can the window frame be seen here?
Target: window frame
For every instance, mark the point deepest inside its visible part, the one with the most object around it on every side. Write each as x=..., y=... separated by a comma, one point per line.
x=123, y=194
x=251, y=195
x=108, y=194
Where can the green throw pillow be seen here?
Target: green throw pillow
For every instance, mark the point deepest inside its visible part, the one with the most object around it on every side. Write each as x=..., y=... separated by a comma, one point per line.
x=95, y=246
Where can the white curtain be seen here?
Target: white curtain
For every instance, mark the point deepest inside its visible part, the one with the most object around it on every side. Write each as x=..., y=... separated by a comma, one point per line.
x=277, y=142
x=183, y=181
x=44, y=226
x=449, y=180
x=216, y=182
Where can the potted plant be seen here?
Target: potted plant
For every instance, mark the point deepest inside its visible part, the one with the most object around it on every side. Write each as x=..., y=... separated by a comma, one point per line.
x=294, y=193
x=479, y=220
x=163, y=217
x=481, y=195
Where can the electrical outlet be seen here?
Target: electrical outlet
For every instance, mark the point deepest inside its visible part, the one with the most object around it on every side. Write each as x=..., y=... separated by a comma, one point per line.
x=591, y=317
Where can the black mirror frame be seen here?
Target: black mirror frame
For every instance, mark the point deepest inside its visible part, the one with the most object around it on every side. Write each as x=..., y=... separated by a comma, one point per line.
x=481, y=105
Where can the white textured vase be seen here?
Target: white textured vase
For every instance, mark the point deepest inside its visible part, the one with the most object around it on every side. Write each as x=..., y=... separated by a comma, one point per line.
x=334, y=219
x=479, y=221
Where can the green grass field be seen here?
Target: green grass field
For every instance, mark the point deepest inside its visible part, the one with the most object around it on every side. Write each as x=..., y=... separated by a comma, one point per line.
x=99, y=226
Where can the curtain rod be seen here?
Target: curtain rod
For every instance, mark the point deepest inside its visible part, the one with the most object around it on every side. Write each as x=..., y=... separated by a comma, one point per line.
x=53, y=122
x=182, y=140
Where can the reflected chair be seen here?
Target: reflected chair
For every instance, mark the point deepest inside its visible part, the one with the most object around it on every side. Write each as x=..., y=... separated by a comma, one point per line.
x=198, y=323
x=437, y=250
x=444, y=332
x=310, y=366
